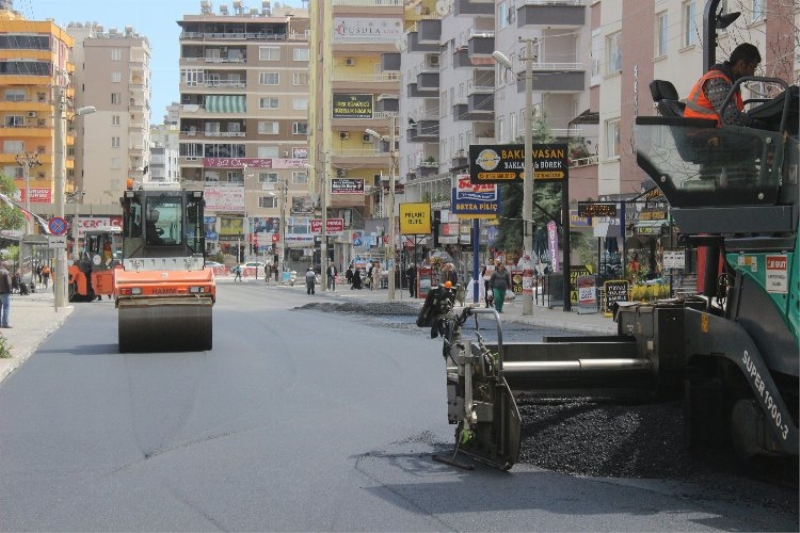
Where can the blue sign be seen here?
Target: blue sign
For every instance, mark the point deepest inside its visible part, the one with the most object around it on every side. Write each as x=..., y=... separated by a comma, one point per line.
x=58, y=226
x=471, y=203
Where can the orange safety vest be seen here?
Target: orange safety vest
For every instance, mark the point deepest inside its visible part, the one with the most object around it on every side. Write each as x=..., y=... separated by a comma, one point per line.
x=698, y=106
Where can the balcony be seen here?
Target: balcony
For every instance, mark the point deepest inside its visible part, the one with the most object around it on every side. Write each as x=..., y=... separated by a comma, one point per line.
x=234, y=36
x=477, y=106
x=473, y=7
x=459, y=161
x=369, y=3
x=430, y=31
x=555, y=77
x=552, y=13
x=423, y=131
x=414, y=44
x=428, y=81
x=481, y=44
x=413, y=91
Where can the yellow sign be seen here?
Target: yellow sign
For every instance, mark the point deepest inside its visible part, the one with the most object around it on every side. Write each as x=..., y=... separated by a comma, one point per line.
x=415, y=219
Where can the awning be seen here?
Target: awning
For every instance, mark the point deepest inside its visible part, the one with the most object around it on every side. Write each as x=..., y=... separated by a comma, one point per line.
x=226, y=104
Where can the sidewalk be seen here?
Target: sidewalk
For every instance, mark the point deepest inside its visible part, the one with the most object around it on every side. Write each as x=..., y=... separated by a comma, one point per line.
x=32, y=319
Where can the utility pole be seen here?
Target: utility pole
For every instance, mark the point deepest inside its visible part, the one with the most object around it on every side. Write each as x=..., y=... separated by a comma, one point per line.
x=527, y=188
x=323, y=245
x=27, y=161
x=390, y=262
x=60, y=279
x=282, y=228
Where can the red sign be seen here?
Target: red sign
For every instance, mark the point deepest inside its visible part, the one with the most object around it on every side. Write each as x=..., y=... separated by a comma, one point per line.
x=334, y=225
x=236, y=162
x=38, y=195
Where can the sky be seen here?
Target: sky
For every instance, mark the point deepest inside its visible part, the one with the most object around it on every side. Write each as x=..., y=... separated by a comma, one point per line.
x=154, y=19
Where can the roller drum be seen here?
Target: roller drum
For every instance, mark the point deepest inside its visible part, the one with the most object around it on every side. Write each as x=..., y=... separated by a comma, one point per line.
x=165, y=326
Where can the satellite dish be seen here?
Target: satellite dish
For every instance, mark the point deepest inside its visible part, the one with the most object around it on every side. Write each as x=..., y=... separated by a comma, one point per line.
x=442, y=7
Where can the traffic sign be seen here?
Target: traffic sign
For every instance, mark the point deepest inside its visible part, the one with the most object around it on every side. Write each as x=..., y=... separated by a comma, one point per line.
x=56, y=241
x=58, y=226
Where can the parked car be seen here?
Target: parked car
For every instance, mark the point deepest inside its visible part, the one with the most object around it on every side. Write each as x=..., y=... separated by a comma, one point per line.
x=253, y=268
x=218, y=268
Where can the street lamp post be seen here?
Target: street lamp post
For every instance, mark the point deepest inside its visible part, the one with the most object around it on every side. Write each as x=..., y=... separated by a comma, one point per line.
x=390, y=263
x=527, y=201
x=323, y=245
x=60, y=279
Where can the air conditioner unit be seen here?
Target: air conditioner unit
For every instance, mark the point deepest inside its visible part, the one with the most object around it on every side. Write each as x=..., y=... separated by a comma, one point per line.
x=367, y=138
x=350, y=62
x=340, y=173
x=32, y=114
x=343, y=135
x=433, y=61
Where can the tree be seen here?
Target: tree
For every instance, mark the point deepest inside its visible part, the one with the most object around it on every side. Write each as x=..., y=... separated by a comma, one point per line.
x=10, y=217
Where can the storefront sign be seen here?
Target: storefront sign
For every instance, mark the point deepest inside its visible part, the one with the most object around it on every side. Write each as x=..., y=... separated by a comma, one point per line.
x=614, y=291
x=347, y=186
x=505, y=163
x=597, y=209
x=334, y=226
x=415, y=218
x=352, y=106
x=241, y=162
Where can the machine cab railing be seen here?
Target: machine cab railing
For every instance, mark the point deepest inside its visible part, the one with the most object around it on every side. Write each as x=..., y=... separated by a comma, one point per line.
x=695, y=163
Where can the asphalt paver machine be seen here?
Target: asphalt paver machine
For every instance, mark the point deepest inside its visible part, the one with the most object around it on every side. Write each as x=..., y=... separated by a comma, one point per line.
x=731, y=353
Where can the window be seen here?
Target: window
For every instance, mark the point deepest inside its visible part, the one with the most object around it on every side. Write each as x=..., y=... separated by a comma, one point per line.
x=14, y=121
x=502, y=15
x=613, y=53
x=300, y=78
x=662, y=34
x=300, y=54
x=265, y=152
x=300, y=177
x=269, y=78
x=116, y=98
x=13, y=147
x=299, y=128
x=115, y=163
x=758, y=10
x=115, y=121
x=114, y=142
x=14, y=95
x=269, y=53
x=267, y=202
x=116, y=77
x=689, y=23
x=268, y=103
x=300, y=104
x=14, y=172
x=116, y=54
x=268, y=177
x=612, y=138
x=267, y=128
x=501, y=132
x=597, y=52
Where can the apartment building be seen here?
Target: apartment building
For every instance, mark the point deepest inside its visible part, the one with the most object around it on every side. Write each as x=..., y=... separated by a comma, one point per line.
x=243, y=123
x=112, y=74
x=34, y=58
x=355, y=87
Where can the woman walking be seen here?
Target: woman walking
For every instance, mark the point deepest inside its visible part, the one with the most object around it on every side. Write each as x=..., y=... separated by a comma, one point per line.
x=499, y=282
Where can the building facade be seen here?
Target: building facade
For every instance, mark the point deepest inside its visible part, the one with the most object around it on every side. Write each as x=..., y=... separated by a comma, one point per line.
x=112, y=75
x=243, y=123
x=34, y=59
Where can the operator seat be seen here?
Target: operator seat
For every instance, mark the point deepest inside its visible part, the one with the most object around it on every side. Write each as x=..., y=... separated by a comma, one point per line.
x=666, y=98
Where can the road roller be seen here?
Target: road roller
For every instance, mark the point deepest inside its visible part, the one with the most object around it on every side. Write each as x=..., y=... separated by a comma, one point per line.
x=163, y=293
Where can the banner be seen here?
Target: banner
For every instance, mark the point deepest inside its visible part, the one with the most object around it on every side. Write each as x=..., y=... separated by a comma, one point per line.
x=347, y=186
x=230, y=199
x=352, y=106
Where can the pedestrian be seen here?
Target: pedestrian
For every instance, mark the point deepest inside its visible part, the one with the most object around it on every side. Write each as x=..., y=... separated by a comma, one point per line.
x=267, y=272
x=449, y=274
x=499, y=282
x=488, y=296
x=39, y=272
x=357, y=279
x=45, y=275
x=411, y=274
x=332, y=276
x=311, y=280
x=6, y=287
x=237, y=270
x=349, y=276
x=376, y=275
